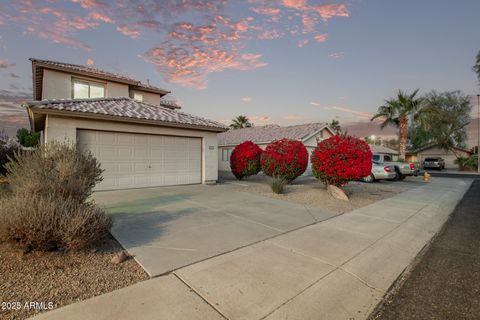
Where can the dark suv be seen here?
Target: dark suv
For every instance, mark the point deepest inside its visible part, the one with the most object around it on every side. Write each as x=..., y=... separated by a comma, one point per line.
x=434, y=163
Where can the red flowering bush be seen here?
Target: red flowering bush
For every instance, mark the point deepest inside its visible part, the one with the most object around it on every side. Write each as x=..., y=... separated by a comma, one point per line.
x=285, y=159
x=338, y=160
x=245, y=160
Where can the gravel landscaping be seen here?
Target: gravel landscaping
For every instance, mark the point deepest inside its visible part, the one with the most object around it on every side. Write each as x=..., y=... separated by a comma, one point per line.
x=61, y=278
x=313, y=193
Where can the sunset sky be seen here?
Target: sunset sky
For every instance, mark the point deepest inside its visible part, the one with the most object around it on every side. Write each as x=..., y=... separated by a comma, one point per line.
x=283, y=62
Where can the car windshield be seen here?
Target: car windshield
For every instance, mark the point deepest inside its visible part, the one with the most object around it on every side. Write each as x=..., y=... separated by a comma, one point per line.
x=431, y=159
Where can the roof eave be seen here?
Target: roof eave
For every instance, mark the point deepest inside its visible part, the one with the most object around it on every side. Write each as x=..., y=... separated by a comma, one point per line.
x=96, y=116
x=133, y=83
x=151, y=90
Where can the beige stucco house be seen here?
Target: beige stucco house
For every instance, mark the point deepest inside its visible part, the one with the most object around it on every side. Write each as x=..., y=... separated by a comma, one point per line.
x=310, y=134
x=434, y=151
x=140, y=139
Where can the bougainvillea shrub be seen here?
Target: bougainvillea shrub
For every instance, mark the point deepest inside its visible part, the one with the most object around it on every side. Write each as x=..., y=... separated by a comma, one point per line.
x=245, y=160
x=284, y=158
x=337, y=160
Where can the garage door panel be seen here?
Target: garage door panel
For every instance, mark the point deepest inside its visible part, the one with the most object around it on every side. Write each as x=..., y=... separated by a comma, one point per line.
x=136, y=160
x=106, y=138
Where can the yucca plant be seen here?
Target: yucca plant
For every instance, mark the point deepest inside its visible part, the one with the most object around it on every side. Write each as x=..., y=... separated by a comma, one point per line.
x=278, y=184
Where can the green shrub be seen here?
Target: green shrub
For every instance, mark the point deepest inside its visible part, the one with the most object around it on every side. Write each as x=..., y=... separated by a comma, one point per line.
x=278, y=184
x=28, y=139
x=467, y=163
x=48, y=208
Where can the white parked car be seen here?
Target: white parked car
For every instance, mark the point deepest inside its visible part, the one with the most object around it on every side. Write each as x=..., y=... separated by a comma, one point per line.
x=381, y=172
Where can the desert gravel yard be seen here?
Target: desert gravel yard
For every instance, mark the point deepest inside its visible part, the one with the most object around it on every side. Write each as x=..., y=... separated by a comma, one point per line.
x=310, y=192
x=61, y=277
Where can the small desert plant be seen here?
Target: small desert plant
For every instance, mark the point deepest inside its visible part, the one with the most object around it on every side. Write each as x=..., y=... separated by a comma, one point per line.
x=278, y=184
x=48, y=207
x=48, y=222
x=57, y=169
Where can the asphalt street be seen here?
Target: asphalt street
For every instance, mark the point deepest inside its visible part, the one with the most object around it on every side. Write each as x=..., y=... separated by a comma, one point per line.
x=445, y=284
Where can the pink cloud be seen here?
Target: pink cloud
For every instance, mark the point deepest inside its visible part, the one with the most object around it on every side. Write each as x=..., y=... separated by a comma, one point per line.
x=302, y=43
x=321, y=37
x=100, y=17
x=328, y=11
x=198, y=37
x=4, y=64
x=126, y=31
x=247, y=99
x=261, y=119
x=190, y=66
x=359, y=114
x=296, y=4
x=292, y=117
x=90, y=62
x=266, y=11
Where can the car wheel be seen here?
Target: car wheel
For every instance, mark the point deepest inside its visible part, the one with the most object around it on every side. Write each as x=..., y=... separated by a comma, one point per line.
x=399, y=176
x=369, y=179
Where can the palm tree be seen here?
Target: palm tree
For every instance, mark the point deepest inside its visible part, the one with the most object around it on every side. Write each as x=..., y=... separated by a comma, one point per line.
x=241, y=122
x=476, y=67
x=397, y=112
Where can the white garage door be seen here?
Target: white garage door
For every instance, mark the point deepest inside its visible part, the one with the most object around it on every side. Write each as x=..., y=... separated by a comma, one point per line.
x=140, y=160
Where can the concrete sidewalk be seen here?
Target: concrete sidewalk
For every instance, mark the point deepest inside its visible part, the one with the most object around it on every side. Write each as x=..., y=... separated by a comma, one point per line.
x=336, y=269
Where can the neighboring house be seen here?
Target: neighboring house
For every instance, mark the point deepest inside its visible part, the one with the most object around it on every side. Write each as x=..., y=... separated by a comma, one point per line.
x=140, y=139
x=376, y=150
x=434, y=151
x=310, y=134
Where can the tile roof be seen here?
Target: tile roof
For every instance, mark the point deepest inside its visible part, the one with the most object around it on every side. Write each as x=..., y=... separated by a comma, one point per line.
x=269, y=133
x=382, y=149
x=126, y=108
x=94, y=71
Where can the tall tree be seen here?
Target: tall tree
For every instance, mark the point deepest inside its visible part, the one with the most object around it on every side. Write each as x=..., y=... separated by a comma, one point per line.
x=336, y=127
x=241, y=122
x=476, y=67
x=445, y=123
x=397, y=112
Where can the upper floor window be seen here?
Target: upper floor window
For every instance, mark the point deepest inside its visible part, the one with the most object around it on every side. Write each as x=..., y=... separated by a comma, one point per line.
x=138, y=96
x=85, y=90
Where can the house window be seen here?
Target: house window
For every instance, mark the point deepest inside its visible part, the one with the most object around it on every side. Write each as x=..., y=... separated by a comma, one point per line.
x=138, y=96
x=85, y=90
x=226, y=153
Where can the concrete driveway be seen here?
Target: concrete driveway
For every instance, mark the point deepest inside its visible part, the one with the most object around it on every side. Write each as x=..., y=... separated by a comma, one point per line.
x=171, y=227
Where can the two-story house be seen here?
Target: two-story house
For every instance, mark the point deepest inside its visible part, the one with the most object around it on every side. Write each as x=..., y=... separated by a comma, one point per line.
x=140, y=139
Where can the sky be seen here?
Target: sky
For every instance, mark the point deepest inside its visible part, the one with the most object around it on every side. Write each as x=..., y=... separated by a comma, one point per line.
x=276, y=61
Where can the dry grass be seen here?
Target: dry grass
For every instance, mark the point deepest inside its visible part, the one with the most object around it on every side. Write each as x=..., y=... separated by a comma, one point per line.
x=49, y=223
x=48, y=207
x=314, y=193
x=62, y=277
